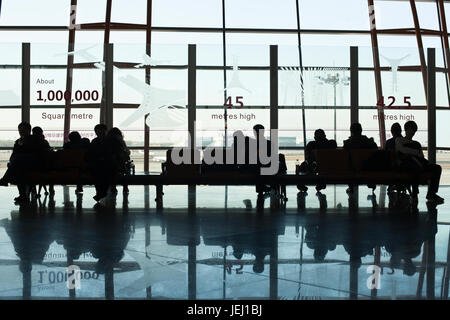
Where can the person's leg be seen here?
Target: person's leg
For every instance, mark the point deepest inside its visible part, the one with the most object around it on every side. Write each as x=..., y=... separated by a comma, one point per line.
x=113, y=189
x=436, y=171
x=79, y=188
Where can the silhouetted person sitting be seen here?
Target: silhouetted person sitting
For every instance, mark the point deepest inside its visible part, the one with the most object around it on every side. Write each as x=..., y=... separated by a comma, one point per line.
x=241, y=151
x=258, y=131
x=396, y=131
x=98, y=158
x=76, y=142
x=22, y=161
x=411, y=159
x=310, y=165
x=43, y=150
x=120, y=154
x=357, y=140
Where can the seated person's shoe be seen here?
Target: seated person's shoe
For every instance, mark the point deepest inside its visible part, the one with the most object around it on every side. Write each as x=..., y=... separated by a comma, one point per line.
x=302, y=188
x=99, y=197
x=435, y=198
x=320, y=187
x=21, y=199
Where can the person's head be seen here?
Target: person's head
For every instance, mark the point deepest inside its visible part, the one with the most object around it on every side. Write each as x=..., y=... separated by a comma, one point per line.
x=258, y=130
x=258, y=265
x=238, y=253
x=395, y=261
x=319, y=134
x=74, y=137
x=409, y=268
x=100, y=130
x=238, y=135
x=355, y=129
x=115, y=132
x=396, y=130
x=320, y=253
x=38, y=132
x=24, y=129
x=410, y=129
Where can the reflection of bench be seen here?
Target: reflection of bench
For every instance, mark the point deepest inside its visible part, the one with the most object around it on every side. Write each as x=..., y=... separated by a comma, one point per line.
x=335, y=167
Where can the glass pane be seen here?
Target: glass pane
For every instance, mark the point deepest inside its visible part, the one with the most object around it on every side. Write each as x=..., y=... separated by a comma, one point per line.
x=34, y=36
x=90, y=11
x=9, y=120
x=35, y=13
x=393, y=14
x=260, y=14
x=125, y=11
x=290, y=124
x=10, y=87
x=248, y=88
x=210, y=88
x=11, y=52
x=193, y=13
x=134, y=133
x=172, y=47
x=331, y=14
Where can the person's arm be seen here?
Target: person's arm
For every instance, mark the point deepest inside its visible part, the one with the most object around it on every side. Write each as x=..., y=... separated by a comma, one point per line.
x=333, y=144
x=400, y=147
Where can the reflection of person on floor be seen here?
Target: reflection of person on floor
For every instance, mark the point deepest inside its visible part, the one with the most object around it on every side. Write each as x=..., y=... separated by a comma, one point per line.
x=411, y=159
x=258, y=244
x=310, y=165
x=318, y=239
x=30, y=243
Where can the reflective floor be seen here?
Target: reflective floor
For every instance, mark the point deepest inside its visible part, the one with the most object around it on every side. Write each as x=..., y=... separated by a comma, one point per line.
x=220, y=243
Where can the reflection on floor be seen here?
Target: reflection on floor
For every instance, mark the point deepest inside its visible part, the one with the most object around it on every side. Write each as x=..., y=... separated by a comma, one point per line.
x=219, y=243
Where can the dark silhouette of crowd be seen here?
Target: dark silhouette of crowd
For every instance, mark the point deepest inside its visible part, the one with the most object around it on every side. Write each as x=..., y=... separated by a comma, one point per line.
x=105, y=156
x=409, y=155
